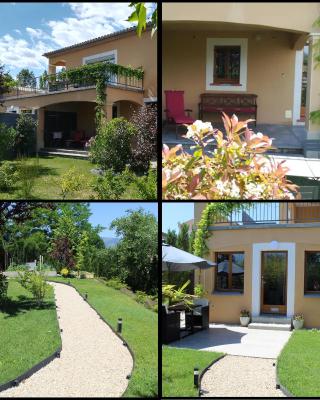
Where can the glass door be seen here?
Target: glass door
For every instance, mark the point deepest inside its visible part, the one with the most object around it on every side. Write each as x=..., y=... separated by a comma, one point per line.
x=274, y=282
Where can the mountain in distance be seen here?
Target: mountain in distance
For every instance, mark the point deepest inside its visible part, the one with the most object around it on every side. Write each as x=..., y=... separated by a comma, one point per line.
x=110, y=242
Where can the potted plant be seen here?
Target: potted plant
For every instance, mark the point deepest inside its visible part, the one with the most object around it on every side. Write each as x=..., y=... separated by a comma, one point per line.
x=244, y=317
x=173, y=296
x=200, y=294
x=298, y=321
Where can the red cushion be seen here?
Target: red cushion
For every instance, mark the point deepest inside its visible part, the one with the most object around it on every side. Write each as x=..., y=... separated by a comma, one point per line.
x=183, y=120
x=243, y=109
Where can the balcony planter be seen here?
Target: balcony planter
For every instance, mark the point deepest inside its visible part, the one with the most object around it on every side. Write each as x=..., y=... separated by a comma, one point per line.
x=244, y=318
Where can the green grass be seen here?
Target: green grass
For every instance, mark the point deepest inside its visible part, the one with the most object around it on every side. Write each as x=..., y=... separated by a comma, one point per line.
x=49, y=173
x=28, y=334
x=299, y=364
x=140, y=330
x=177, y=370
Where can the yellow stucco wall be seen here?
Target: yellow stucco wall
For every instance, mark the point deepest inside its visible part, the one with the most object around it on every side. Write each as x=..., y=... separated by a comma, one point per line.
x=131, y=51
x=270, y=69
x=226, y=307
x=294, y=16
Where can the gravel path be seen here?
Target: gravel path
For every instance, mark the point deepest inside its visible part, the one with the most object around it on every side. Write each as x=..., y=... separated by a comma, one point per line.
x=236, y=376
x=93, y=362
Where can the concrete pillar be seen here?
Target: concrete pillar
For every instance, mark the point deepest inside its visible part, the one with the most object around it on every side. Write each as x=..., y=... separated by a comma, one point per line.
x=312, y=145
x=108, y=111
x=51, y=69
x=40, y=129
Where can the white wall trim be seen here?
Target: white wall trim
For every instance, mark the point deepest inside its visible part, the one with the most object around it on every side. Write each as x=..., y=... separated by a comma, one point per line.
x=297, y=87
x=211, y=42
x=107, y=53
x=257, y=248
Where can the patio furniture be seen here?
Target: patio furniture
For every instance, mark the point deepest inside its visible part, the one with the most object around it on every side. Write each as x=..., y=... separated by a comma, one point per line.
x=175, y=111
x=230, y=103
x=198, y=317
x=56, y=137
x=78, y=137
x=170, y=323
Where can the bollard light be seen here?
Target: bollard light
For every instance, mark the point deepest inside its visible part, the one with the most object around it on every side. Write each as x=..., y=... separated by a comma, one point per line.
x=86, y=296
x=69, y=283
x=119, y=326
x=196, y=377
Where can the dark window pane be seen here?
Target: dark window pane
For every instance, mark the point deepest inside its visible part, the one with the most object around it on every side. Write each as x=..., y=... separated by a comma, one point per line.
x=227, y=64
x=313, y=272
x=230, y=271
x=237, y=271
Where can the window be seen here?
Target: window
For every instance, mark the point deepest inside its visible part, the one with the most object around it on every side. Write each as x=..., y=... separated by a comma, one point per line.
x=229, y=272
x=109, y=56
x=312, y=272
x=227, y=64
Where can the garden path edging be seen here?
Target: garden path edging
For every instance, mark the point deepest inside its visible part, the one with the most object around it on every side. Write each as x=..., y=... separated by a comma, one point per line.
x=205, y=370
x=284, y=390
x=107, y=323
x=36, y=367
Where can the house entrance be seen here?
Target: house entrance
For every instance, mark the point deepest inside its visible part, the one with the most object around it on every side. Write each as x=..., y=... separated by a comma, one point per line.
x=274, y=282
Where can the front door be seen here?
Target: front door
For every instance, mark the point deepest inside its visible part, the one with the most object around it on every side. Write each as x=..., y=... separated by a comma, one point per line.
x=274, y=282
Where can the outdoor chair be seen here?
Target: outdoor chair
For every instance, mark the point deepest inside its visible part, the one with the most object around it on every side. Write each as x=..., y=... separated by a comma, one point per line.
x=79, y=138
x=170, y=325
x=175, y=111
x=198, y=318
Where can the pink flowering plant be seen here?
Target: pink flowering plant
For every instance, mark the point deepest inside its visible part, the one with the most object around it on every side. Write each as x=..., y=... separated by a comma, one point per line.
x=237, y=168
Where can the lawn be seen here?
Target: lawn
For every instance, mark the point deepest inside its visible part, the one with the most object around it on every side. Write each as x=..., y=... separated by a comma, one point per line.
x=29, y=334
x=177, y=370
x=140, y=330
x=299, y=364
x=49, y=171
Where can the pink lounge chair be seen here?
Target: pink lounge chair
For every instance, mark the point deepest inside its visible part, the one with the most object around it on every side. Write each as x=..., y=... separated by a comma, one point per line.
x=175, y=110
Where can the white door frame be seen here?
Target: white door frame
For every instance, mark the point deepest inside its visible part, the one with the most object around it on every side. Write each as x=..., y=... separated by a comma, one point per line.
x=297, y=88
x=257, y=248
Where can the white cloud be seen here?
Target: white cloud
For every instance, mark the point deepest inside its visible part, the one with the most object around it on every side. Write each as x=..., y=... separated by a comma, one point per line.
x=17, y=31
x=90, y=21
x=18, y=53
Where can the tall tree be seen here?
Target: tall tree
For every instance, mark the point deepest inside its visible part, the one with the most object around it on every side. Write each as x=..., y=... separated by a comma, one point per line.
x=138, y=249
x=171, y=237
x=183, y=237
x=6, y=80
x=26, y=78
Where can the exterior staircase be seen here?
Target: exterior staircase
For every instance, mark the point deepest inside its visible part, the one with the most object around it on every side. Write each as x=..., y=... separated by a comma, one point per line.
x=74, y=153
x=273, y=322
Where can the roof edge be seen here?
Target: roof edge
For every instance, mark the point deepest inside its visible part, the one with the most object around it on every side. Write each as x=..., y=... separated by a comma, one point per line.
x=98, y=39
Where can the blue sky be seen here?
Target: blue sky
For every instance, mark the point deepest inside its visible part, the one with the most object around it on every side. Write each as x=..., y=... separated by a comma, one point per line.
x=104, y=213
x=27, y=30
x=173, y=213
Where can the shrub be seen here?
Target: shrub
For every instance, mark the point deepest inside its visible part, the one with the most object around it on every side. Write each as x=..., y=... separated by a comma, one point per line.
x=236, y=169
x=8, y=175
x=141, y=296
x=112, y=186
x=115, y=283
x=145, y=149
x=111, y=148
x=64, y=272
x=3, y=287
x=35, y=283
x=7, y=140
x=146, y=186
x=25, y=139
x=20, y=267
x=70, y=182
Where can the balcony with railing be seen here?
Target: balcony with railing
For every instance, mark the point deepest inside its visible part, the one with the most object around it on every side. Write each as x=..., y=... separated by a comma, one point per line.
x=80, y=78
x=262, y=214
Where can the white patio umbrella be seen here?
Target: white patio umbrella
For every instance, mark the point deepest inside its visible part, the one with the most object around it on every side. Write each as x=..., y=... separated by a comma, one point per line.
x=175, y=260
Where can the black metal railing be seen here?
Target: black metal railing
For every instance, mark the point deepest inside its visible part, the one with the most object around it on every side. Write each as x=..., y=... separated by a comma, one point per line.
x=55, y=83
x=272, y=213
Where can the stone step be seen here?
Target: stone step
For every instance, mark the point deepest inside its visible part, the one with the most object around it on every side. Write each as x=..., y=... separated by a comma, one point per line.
x=271, y=319
x=270, y=326
x=64, y=153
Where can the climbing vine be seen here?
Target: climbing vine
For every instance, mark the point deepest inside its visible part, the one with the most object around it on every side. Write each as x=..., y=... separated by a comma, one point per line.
x=101, y=101
x=315, y=115
x=212, y=212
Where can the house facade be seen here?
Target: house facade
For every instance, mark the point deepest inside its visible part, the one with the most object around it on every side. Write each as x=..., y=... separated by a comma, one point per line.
x=246, y=48
x=267, y=261
x=65, y=108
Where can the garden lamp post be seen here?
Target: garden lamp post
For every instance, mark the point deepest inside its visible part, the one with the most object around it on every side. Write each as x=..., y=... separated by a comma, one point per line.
x=196, y=377
x=119, y=325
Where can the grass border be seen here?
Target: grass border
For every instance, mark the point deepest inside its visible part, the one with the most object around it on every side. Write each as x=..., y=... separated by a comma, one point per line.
x=205, y=370
x=284, y=390
x=56, y=354
x=124, y=342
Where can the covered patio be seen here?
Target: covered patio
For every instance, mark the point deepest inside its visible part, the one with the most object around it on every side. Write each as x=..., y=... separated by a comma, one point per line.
x=241, y=49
